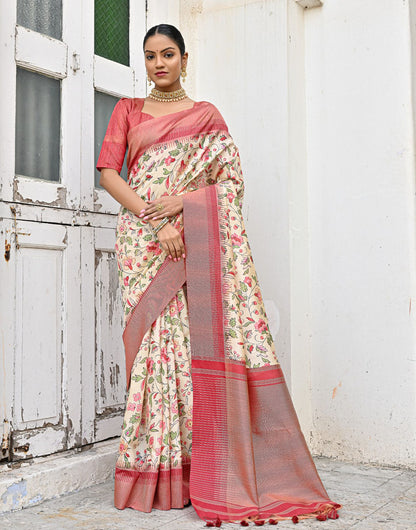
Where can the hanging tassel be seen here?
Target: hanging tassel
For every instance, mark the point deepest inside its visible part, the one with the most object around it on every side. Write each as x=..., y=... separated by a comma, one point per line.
x=218, y=522
x=333, y=514
x=209, y=523
x=259, y=522
x=273, y=521
x=244, y=523
x=295, y=519
x=322, y=517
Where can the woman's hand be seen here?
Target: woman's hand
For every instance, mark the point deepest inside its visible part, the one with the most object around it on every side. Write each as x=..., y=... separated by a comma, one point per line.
x=165, y=206
x=171, y=242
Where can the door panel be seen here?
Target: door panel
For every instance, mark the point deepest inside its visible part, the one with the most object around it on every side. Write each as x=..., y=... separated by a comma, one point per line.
x=109, y=350
x=46, y=403
x=41, y=53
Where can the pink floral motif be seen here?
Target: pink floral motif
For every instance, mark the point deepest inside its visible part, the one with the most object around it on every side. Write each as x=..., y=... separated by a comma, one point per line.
x=248, y=281
x=154, y=247
x=260, y=325
x=128, y=263
x=236, y=239
x=169, y=160
x=149, y=364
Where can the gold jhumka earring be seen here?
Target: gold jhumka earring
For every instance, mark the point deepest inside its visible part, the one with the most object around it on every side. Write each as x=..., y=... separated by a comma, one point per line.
x=148, y=79
x=183, y=74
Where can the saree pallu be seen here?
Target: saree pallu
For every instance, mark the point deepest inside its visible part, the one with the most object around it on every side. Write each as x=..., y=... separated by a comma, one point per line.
x=209, y=417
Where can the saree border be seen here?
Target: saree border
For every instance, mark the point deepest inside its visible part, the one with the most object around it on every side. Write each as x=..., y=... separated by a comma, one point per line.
x=250, y=460
x=168, y=280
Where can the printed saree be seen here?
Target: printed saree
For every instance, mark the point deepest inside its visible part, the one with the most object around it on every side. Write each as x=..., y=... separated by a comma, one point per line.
x=208, y=417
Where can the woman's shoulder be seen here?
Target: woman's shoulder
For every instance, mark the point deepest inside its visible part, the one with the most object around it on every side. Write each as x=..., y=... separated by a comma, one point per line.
x=130, y=103
x=212, y=112
x=209, y=106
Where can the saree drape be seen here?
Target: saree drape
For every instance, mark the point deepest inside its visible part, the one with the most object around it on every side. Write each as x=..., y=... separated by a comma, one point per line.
x=209, y=417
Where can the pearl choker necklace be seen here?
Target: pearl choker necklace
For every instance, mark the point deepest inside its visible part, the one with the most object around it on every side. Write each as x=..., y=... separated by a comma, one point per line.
x=158, y=95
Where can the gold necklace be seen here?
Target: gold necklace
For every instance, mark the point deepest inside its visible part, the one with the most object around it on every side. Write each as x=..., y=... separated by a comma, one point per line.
x=176, y=95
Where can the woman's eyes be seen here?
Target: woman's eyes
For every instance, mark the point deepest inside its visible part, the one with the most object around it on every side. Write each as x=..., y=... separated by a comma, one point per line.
x=167, y=55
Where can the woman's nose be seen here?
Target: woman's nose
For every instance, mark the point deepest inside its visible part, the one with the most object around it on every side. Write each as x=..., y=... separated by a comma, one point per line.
x=159, y=62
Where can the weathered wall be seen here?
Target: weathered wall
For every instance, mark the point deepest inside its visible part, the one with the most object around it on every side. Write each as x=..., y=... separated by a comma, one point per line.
x=362, y=230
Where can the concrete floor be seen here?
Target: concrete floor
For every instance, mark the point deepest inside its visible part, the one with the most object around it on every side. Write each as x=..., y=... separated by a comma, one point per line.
x=373, y=498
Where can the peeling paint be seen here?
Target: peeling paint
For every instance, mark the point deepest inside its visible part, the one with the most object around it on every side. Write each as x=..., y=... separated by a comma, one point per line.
x=60, y=200
x=97, y=206
x=103, y=392
x=22, y=448
x=35, y=500
x=16, y=492
x=7, y=248
x=114, y=375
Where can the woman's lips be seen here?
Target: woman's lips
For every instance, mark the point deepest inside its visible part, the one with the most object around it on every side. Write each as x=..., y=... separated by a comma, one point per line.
x=161, y=74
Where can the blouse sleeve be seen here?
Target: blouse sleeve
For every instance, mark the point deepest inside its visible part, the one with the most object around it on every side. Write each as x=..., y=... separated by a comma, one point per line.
x=114, y=144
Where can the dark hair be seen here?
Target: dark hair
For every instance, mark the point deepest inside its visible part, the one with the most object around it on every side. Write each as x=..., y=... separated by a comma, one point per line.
x=168, y=30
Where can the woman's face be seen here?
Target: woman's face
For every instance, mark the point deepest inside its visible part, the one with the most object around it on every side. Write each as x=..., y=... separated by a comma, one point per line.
x=164, y=62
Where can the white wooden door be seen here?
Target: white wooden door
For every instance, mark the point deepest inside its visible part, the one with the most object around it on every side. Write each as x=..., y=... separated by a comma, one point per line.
x=61, y=359
x=41, y=340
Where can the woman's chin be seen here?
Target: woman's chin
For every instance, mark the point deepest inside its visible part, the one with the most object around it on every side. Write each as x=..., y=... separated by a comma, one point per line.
x=164, y=84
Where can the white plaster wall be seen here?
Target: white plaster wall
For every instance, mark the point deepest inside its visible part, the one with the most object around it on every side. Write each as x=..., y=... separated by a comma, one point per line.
x=360, y=166
x=238, y=62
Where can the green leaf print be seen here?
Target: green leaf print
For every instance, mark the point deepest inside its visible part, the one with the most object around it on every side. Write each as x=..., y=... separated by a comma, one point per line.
x=243, y=287
x=148, y=237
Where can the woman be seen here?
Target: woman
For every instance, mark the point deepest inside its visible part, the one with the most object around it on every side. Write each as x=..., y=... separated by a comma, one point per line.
x=182, y=251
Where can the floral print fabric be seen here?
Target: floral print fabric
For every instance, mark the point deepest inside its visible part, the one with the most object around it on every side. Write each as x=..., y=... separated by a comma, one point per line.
x=157, y=428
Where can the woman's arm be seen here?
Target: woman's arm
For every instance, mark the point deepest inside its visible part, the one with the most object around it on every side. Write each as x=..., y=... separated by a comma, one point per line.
x=121, y=191
x=169, y=238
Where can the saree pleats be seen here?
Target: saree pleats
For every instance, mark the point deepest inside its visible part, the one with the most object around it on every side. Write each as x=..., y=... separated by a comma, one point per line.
x=153, y=466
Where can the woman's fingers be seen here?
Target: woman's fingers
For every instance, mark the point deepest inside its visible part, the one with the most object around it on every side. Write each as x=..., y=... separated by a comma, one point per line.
x=166, y=206
x=171, y=251
x=179, y=248
x=172, y=242
x=178, y=252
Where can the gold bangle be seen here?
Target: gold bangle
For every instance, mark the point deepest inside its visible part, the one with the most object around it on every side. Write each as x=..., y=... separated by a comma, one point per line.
x=159, y=227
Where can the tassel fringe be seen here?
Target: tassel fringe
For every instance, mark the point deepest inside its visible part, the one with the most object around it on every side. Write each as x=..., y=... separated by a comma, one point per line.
x=323, y=516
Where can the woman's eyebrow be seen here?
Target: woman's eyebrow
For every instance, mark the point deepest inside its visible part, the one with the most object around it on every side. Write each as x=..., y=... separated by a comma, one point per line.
x=150, y=51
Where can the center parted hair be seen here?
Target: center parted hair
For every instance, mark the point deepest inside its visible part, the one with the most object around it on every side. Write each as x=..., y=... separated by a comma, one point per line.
x=169, y=31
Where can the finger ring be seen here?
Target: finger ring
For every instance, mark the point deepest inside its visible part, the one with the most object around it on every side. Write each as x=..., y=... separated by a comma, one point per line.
x=159, y=207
